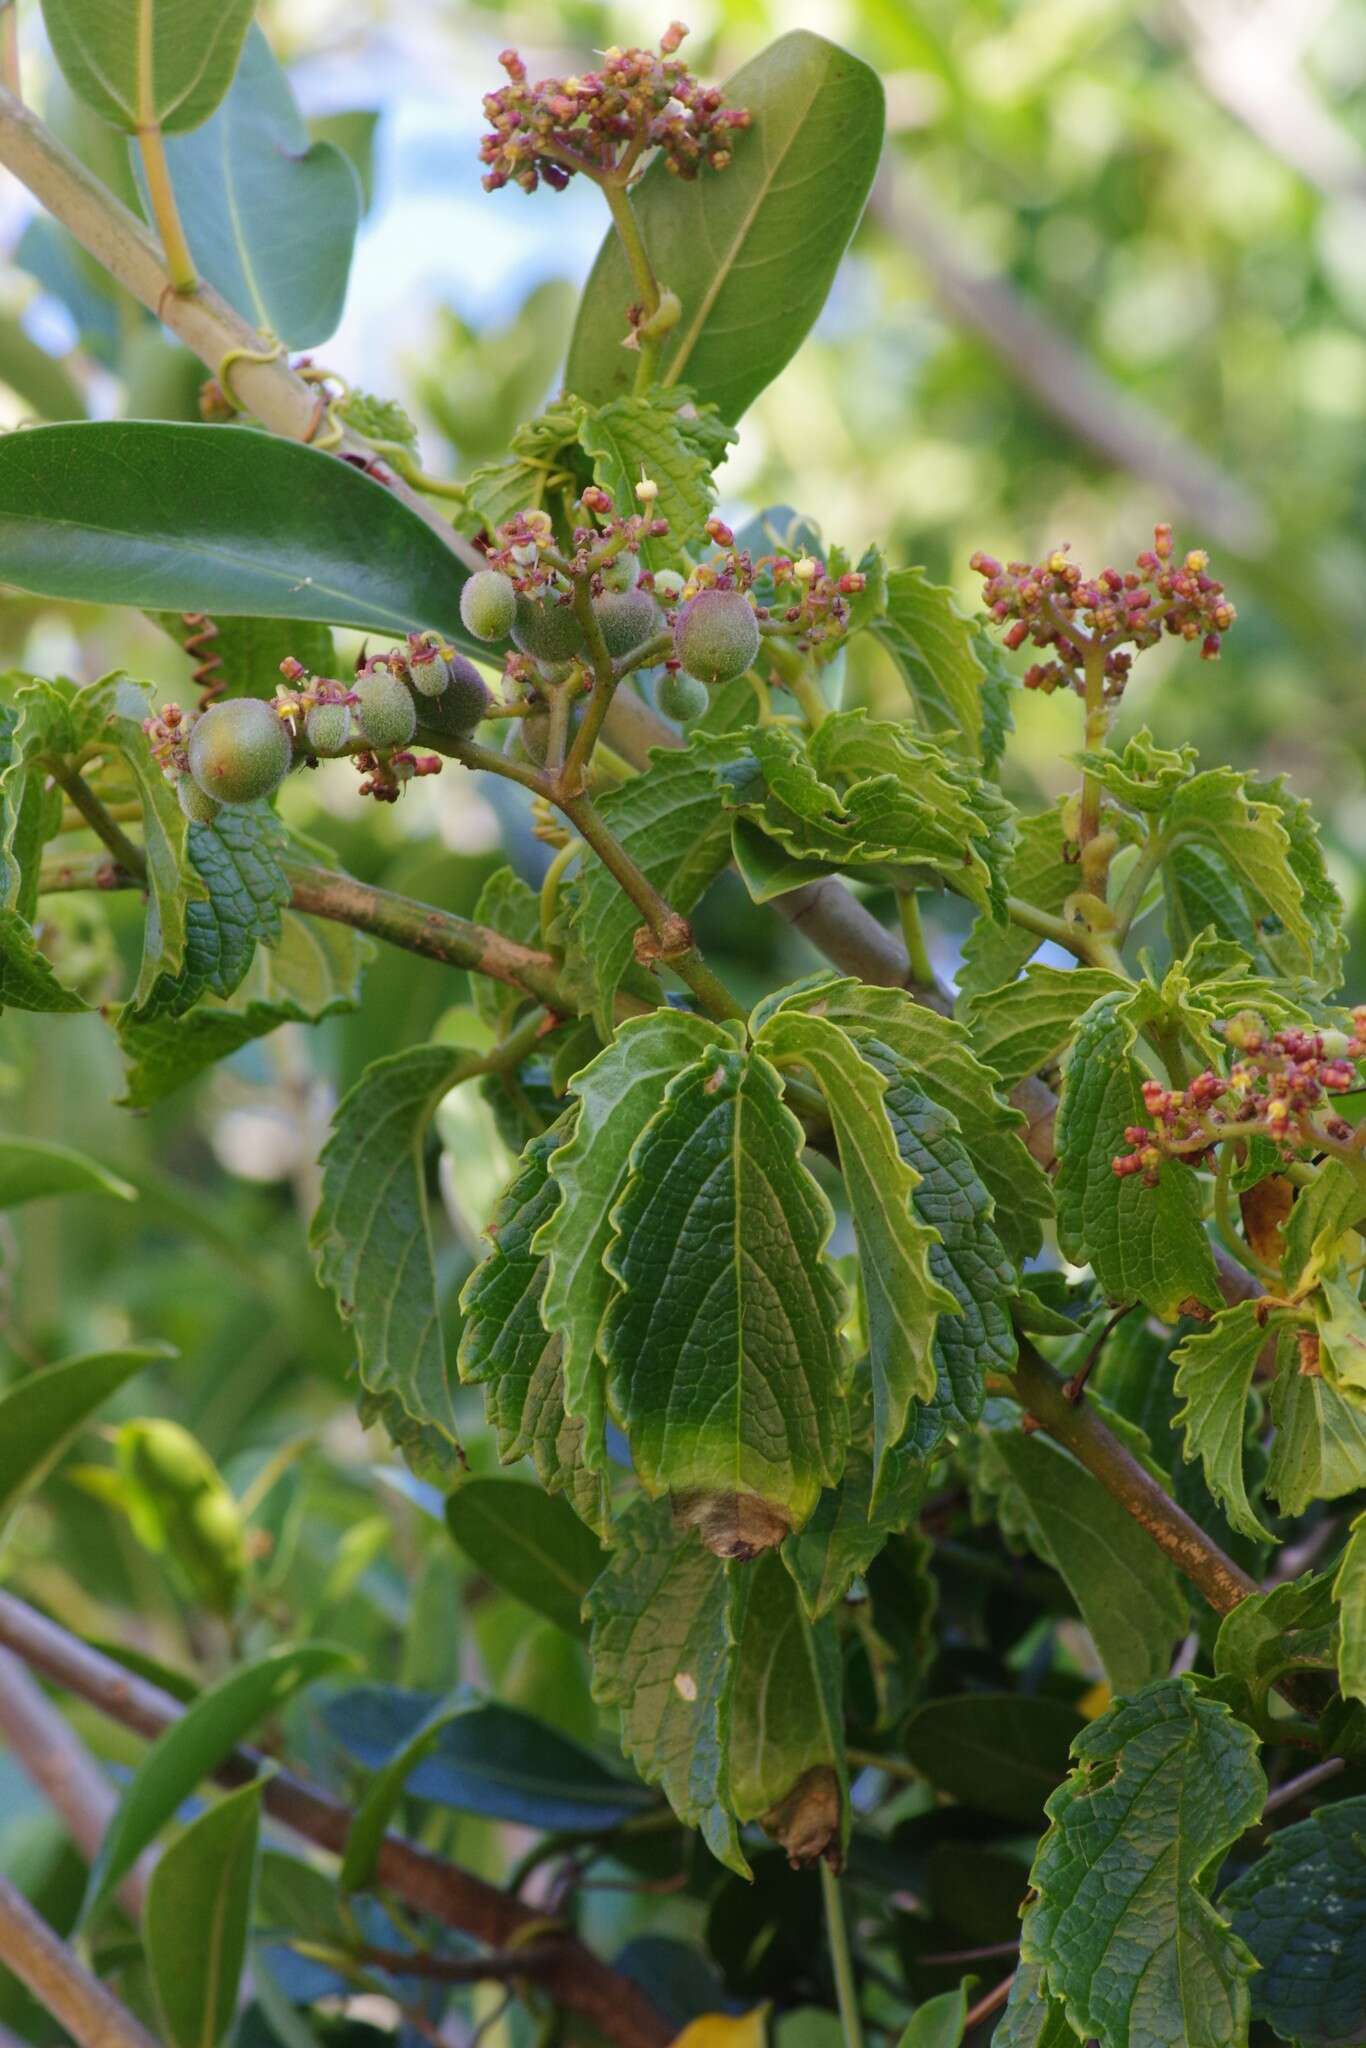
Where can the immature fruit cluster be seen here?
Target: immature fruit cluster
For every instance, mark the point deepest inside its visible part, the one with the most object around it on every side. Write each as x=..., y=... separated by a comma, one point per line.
x=716, y=635
x=239, y=751
x=546, y=629
x=681, y=697
x=488, y=604
x=385, y=713
x=628, y=618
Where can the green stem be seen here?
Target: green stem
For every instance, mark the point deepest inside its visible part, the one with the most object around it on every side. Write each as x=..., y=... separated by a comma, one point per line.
x=573, y=777
x=1154, y=852
x=842, y=1962
x=550, y=886
x=913, y=931
x=642, y=273
x=1097, y=728
x=1223, y=1222
x=161, y=196
x=82, y=798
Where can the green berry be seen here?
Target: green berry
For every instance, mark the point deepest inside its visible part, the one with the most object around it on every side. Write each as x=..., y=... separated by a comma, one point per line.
x=621, y=574
x=198, y=808
x=668, y=586
x=682, y=697
x=461, y=705
x=716, y=635
x=627, y=618
x=240, y=750
x=429, y=665
x=327, y=729
x=386, y=714
x=546, y=629
x=534, y=735
x=488, y=603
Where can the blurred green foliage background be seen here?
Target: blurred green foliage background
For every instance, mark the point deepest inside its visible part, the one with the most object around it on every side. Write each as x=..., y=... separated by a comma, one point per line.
x=1115, y=271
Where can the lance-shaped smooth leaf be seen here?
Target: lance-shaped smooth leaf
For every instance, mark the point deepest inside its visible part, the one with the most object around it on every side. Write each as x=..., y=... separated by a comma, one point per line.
x=932, y=645
x=32, y=1167
x=1123, y=1926
x=1349, y=1590
x=722, y=1348
x=903, y=1300
x=269, y=214
x=665, y=1619
x=939, y=1053
x=787, y=1718
x=751, y=251
x=491, y=1760
x=1301, y=1909
x=939, y=2022
x=148, y=63
x=217, y=520
x=1128, y=1594
x=672, y=823
x=199, y=1905
x=371, y=1236
x=617, y=1094
x=375, y=1811
x=1027, y=1025
x=41, y=1413
x=1000, y=1753
x=1214, y=1369
x=528, y=1543
x=506, y=1348
x=313, y=972
x=1143, y=1243
x=194, y=1746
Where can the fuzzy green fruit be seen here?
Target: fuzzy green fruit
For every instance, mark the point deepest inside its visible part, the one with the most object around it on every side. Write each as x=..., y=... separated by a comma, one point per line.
x=240, y=750
x=716, y=635
x=532, y=735
x=627, y=618
x=621, y=574
x=682, y=697
x=429, y=668
x=546, y=629
x=461, y=705
x=327, y=729
x=668, y=586
x=488, y=603
x=386, y=714
x=198, y=808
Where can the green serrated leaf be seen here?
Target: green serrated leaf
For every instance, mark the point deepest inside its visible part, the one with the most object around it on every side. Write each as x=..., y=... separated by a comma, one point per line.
x=506, y=1349
x=199, y=1905
x=312, y=973
x=1144, y=1243
x=269, y=214
x=512, y=907
x=1349, y=1591
x=371, y=1236
x=631, y=437
x=934, y=649
x=1301, y=1911
x=722, y=1349
x=1128, y=1594
x=1037, y=874
x=617, y=1096
x=1319, y=1449
x=902, y=1299
x=1333, y=1204
x=1032, y=2019
x=238, y=861
x=664, y=1619
x=786, y=1743
x=1122, y=1925
x=140, y=65
x=851, y=1523
x=1341, y=1322
x=751, y=252
x=1214, y=1369
x=1027, y=1025
x=1291, y=1627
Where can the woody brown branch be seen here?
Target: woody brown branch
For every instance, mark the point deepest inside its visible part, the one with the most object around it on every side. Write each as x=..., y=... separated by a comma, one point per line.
x=573, y=1977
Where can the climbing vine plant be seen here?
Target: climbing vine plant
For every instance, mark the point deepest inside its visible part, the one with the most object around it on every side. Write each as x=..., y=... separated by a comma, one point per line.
x=775, y=1285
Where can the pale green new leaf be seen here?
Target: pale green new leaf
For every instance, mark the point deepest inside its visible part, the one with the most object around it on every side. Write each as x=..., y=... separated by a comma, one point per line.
x=32, y=1167
x=933, y=647
x=1036, y=874
x=787, y=1720
x=269, y=214
x=199, y=1904
x=1319, y=1449
x=149, y=63
x=1143, y=1243
x=1333, y=1204
x=617, y=1096
x=722, y=1350
x=939, y=2022
x=1122, y=1924
x=902, y=1299
x=506, y=1348
x=371, y=1236
x=1342, y=1340
x=750, y=252
x=1026, y=1025
x=1349, y=1590
x=41, y=1413
x=664, y=1618
x=1128, y=1594
x=634, y=437
x=1214, y=1369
